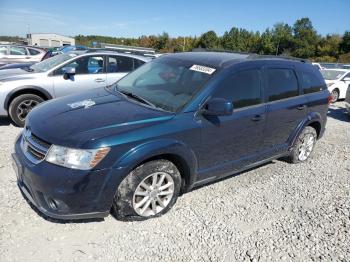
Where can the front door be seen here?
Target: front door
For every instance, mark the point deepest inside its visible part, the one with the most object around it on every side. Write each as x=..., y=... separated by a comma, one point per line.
x=89, y=74
x=232, y=142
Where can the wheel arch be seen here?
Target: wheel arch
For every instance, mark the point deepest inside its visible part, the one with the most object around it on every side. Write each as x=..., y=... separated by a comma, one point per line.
x=314, y=120
x=28, y=89
x=174, y=151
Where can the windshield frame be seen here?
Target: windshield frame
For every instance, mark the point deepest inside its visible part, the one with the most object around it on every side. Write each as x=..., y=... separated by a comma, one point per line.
x=187, y=64
x=70, y=55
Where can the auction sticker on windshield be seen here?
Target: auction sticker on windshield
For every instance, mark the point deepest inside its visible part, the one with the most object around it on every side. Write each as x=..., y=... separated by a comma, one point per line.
x=203, y=69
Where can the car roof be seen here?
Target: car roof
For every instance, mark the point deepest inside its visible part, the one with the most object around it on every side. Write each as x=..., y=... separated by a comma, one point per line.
x=226, y=59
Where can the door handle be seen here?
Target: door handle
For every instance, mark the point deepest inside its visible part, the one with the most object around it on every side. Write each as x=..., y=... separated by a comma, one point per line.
x=99, y=80
x=28, y=57
x=301, y=107
x=257, y=118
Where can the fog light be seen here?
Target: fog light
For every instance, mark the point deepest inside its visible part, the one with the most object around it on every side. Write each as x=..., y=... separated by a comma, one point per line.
x=52, y=203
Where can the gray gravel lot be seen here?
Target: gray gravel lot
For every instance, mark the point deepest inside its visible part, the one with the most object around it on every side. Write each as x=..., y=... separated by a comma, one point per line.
x=275, y=212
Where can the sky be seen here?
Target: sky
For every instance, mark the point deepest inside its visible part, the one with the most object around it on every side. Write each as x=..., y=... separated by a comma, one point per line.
x=134, y=18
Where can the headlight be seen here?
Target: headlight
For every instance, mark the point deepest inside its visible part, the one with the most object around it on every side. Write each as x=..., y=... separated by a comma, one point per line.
x=83, y=159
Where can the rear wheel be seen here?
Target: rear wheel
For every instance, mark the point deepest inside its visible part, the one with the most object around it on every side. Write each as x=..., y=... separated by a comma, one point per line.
x=21, y=106
x=303, y=145
x=334, y=95
x=148, y=191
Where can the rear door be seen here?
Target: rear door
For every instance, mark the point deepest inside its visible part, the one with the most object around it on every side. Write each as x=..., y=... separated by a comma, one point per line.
x=90, y=73
x=117, y=67
x=286, y=108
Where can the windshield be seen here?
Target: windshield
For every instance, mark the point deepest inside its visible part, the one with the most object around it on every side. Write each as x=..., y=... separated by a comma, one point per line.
x=166, y=83
x=332, y=74
x=51, y=62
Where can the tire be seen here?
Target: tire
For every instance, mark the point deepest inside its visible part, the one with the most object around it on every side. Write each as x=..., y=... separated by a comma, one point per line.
x=301, y=142
x=127, y=203
x=334, y=95
x=20, y=107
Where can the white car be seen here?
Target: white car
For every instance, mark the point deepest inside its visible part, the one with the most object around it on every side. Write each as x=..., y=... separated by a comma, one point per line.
x=318, y=66
x=20, y=54
x=73, y=72
x=338, y=82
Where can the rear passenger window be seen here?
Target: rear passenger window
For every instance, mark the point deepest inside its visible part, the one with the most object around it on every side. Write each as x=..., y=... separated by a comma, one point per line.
x=242, y=88
x=33, y=51
x=281, y=83
x=310, y=83
x=119, y=64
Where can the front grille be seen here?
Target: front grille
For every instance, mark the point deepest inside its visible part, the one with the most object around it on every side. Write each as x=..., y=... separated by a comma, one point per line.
x=34, y=148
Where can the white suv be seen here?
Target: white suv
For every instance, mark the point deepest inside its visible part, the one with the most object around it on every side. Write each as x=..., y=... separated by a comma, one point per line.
x=338, y=81
x=23, y=89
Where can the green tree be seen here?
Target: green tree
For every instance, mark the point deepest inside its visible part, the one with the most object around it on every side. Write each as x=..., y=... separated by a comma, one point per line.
x=345, y=43
x=305, y=38
x=282, y=38
x=208, y=40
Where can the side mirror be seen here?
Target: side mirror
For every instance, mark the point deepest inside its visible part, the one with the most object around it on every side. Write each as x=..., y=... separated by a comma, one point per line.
x=68, y=72
x=218, y=107
x=346, y=79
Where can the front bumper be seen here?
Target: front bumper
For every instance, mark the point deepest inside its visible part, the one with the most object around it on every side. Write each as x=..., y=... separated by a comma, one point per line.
x=63, y=193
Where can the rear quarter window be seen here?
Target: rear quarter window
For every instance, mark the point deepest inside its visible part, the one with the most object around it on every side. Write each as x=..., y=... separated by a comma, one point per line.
x=310, y=83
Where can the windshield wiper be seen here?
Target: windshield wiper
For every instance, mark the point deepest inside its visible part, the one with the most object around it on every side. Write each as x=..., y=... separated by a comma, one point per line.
x=136, y=97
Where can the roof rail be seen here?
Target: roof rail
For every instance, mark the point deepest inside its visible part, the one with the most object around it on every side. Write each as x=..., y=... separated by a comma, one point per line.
x=221, y=51
x=252, y=55
x=256, y=56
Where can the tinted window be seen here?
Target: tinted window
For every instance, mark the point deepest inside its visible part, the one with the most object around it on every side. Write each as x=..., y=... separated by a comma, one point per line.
x=281, y=83
x=118, y=64
x=310, y=83
x=33, y=51
x=138, y=63
x=242, y=88
x=84, y=65
x=16, y=50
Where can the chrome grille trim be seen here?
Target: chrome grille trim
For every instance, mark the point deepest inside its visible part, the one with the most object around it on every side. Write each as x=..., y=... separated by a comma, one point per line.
x=33, y=147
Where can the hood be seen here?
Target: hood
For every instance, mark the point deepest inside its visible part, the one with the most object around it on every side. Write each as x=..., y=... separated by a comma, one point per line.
x=79, y=119
x=331, y=81
x=15, y=74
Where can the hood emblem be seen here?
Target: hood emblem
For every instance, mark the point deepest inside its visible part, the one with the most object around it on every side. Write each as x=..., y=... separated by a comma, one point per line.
x=84, y=103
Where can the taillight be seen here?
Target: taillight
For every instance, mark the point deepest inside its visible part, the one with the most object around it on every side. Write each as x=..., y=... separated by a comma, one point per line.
x=329, y=98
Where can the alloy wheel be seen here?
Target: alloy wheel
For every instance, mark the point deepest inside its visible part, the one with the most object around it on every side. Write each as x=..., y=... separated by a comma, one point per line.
x=306, y=146
x=153, y=194
x=25, y=107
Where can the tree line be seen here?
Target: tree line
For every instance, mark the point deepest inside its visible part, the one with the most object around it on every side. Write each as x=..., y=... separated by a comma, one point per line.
x=300, y=40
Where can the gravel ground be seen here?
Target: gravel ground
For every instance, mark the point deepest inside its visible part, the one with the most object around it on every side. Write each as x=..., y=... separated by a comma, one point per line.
x=275, y=212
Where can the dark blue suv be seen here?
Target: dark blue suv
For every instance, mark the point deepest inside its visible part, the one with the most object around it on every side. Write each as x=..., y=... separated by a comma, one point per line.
x=177, y=122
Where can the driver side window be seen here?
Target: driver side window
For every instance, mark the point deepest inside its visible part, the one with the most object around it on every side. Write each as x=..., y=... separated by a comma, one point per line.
x=84, y=65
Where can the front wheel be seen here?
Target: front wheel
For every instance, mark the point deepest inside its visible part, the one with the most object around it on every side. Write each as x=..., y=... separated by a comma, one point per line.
x=21, y=106
x=303, y=145
x=148, y=191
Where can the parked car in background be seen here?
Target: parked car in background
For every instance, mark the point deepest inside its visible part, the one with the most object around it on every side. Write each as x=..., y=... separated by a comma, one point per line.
x=20, y=54
x=25, y=65
x=338, y=82
x=70, y=48
x=318, y=66
x=23, y=89
x=178, y=122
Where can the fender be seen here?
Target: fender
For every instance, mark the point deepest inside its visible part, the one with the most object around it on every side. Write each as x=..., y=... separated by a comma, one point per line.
x=135, y=156
x=145, y=151
x=309, y=119
x=20, y=88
